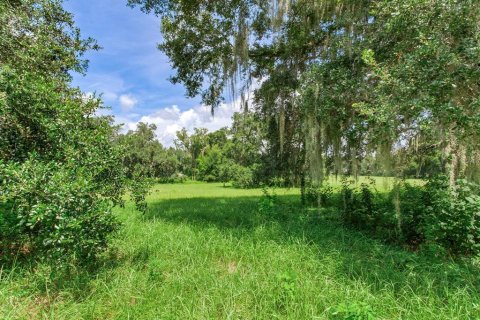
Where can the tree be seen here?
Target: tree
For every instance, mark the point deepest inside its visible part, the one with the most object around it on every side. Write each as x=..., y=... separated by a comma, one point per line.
x=339, y=80
x=209, y=163
x=60, y=173
x=218, y=138
x=141, y=151
x=265, y=40
x=193, y=144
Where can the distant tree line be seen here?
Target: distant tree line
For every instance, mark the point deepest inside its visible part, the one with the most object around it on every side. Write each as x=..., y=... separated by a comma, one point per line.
x=239, y=154
x=227, y=155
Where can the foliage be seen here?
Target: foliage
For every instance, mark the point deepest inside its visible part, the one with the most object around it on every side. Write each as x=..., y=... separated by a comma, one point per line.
x=361, y=207
x=141, y=152
x=60, y=173
x=209, y=164
x=409, y=202
x=398, y=216
x=434, y=214
x=228, y=154
x=243, y=177
x=267, y=202
x=353, y=311
x=54, y=212
x=319, y=195
x=194, y=145
x=177, y=177
x=452, y=215
x=246, y=135
x=344, y=88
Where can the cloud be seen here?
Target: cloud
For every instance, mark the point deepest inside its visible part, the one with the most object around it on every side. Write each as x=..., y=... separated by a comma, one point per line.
x=109, y=96
x=109, y=85
x=127, y=102
x=171, y=119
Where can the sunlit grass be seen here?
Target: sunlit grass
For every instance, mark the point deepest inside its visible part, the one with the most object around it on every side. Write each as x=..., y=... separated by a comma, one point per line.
x=203, y=251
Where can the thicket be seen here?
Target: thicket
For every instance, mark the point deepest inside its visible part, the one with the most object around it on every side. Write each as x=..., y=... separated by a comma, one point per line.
x=433, y=216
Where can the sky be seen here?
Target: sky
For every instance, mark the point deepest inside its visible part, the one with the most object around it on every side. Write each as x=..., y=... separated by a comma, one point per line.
x=132, y=74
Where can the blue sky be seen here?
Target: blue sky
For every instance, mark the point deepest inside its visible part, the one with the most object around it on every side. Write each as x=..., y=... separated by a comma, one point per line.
x=132, y=74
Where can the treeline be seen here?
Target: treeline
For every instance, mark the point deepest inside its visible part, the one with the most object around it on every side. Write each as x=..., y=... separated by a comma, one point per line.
x=237, y=155
x=227, y=155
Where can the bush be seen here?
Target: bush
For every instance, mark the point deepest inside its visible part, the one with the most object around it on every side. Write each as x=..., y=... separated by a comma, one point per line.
x=453, y=215
x=323, y=193
x=360, y=206
x=210, y=178
x=60, y=170
x=411, y=203
x=177, y=177
x=53, y=213
x=242, y=177
x=435, y=214
x=384, y=216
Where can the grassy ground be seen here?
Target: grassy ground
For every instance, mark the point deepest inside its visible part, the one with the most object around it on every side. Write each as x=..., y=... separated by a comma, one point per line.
x=203, y=251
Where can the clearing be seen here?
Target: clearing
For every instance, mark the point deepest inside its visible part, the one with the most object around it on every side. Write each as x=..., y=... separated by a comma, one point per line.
x=203, y=251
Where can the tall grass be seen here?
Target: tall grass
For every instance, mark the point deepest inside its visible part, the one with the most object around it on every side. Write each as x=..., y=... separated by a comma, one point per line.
x=203, y=251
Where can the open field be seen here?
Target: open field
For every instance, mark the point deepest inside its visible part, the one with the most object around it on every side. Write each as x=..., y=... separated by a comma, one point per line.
x=203, y=251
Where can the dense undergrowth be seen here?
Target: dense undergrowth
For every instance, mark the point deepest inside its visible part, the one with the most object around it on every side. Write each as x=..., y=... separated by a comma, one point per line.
x=434, y=215
x=205, y=251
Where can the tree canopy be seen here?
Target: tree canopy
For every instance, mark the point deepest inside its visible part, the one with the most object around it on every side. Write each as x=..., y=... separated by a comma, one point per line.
x=340, y=81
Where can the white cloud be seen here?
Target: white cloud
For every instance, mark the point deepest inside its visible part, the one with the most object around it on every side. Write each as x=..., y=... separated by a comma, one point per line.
x=127, y=102
x=171, y=119
x=109, y=85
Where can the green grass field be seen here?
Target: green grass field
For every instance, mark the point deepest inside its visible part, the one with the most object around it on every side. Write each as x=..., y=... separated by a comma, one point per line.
x=203, y=251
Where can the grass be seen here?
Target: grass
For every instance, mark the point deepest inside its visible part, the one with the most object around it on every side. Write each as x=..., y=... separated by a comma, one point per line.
x=203, y=251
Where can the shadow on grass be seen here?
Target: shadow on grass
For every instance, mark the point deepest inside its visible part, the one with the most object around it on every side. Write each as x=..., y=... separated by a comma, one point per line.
x=238, y=213
x=358, y=256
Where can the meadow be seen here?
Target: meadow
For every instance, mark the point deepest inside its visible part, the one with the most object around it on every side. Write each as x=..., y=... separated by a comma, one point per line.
x=204, y=251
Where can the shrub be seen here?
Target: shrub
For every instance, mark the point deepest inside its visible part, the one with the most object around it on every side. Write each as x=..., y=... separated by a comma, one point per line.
x=53, y=213
x=324, y=193
x=360, y=205
x=435, y=213
x=411, y=205
x=348, y=200
x=176, y=177
x=453, y=215
x=366, y=209
x=242, y=177
x=210, y=178
x=353, y=311
x=365, y=214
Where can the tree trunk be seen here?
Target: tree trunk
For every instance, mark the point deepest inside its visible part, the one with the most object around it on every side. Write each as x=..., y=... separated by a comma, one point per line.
x=452, y=157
